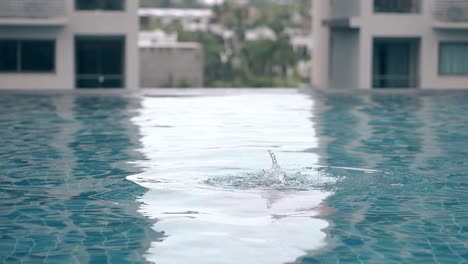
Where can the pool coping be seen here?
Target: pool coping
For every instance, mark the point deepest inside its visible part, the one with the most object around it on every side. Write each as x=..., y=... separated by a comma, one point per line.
x=187, y=92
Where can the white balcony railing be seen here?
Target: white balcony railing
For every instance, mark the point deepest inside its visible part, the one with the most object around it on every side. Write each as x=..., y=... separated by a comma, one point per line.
x=451, y=11
x=32, y=9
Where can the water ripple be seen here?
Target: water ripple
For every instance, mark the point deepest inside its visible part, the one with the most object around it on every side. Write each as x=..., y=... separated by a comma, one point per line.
x=207, y=189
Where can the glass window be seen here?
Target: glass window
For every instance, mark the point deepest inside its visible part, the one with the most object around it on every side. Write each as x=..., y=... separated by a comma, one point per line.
x=396, y=6
x=453, y=59
x=110, y=5
x=27, y=55
x=100, y=62
x=8, y=56
x=112, y=60
x=37, y=56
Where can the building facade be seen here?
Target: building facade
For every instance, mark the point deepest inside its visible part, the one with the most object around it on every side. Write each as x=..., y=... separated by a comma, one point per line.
x=68, y=44
x=390, y=44
x=171, y=64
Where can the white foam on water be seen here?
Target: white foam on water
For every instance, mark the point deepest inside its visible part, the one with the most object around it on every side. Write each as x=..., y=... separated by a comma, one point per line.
x=204, y=159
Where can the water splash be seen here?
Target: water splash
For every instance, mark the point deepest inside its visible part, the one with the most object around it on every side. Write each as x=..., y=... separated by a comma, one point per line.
x=276, y=178
x=275, y=173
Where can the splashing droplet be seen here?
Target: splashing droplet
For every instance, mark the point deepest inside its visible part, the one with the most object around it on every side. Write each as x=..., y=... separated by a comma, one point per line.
x=273, y=157
x=275, y=173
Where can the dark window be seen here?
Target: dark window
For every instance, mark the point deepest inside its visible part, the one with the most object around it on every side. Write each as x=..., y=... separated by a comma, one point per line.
x=392, y=64
x=8, y=55
x=87, y=57
x=27, y=55
x=397, y=6
x=453, y=58
x=111, y=5
x=111, y=56
x=100, y=62
x=37, y=56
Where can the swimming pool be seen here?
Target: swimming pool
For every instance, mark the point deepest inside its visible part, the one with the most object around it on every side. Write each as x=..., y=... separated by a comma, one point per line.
x=178, y=178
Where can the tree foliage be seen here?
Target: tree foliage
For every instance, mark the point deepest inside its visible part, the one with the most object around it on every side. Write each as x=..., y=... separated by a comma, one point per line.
x=260, y=63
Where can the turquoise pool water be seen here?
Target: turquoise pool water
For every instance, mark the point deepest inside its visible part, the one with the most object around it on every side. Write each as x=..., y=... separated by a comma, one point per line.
x=371, y=178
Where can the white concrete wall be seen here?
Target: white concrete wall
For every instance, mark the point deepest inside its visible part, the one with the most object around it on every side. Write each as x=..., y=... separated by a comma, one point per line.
x=344, y=58
x=345, y=8
x=320, y=52
x=170, y=67
x=95, y=23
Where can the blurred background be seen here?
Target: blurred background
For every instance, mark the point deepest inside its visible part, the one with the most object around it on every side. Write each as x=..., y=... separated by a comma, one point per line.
x=346, y=44
x=232, y=43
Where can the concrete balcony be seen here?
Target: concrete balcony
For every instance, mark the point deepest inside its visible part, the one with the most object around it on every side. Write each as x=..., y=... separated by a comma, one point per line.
x=451, y=14
x=33, y=12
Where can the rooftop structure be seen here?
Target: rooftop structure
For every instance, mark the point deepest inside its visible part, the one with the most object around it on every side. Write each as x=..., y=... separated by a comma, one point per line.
x=190, y=19
x=149, y=38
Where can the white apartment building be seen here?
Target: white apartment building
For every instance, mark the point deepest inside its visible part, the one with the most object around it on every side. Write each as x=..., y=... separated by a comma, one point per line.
x=390, y=44
x=146, y=38
x=191, y=19
x=68, y=44
x=260, y=33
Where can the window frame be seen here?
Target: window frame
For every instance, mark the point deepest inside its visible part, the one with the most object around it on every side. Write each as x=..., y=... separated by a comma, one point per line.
x=418, y=10
x=19, y=57
x=124, y=8
x=439, y=57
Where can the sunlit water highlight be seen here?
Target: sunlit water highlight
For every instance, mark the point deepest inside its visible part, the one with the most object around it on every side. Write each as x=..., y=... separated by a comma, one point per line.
x=207, y=185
